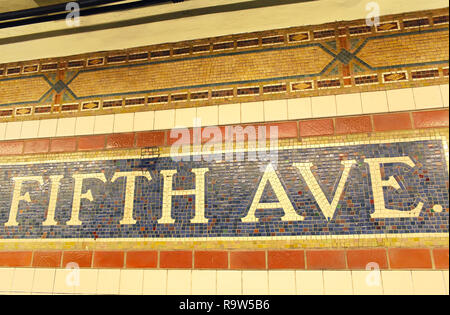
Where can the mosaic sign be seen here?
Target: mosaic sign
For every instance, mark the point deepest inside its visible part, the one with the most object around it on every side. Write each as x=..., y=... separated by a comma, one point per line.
x=336, y=190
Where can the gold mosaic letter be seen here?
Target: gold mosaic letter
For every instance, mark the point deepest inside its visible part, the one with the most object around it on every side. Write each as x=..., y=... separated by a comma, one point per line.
x=377, y=187
x=327, y=208
x=129, y=192
x=283, y=200
x=198, y=191
x=78, y=195
x=17, y=197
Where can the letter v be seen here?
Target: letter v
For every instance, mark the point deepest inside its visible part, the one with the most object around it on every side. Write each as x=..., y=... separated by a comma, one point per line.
x=327, y=209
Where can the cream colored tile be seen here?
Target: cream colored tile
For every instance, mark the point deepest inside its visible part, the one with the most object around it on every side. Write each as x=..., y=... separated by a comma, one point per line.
x=255, y=283
x=397, y=282
x=400, y=100
x=104, y=124
x=185, y=117
x=65, y=281
x=282, y=282
x=229, y=282
x=299, y=108
x=6, y=279
x=143, y=121
x=252, y=112
x=348, y=104
x=23, y=280
x=123, y=122
x=179, y=282
x=204, y=282
x=444, y=94
x=428, y=97
x=374, y=102
x=108, y=281
x=323, y=106
x=85, y=126
x=309, y=282
x=47, y=128
x=131, y=281
x=208, y=115
x=2, y=131
x=337, y=282
x=30, y=129
x=229, y=114
x=155, y=282
x=445, y=275
x=428, y=282
x=13, y=130
x=66, y=127
x=88, y=281
x=164, y=119
x=367, y=282
x=275, y=110
x=43, y=280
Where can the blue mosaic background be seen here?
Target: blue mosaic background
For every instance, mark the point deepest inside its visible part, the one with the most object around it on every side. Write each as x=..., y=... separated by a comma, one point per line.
x=230, y=188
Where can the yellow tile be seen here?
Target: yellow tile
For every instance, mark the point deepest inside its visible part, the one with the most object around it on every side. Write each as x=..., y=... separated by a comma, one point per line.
x=143, y=121
x=104, y=124
x=229, y=114
x=13, y=130
x=23, y=280
x=6, y=278
x=444, y=93
x=85, y=125
x=131, y=281
x=374, y=102
x=179, y=282
x=275, y=110
x=185, y=117
x=367, y=282
x=400, y=100
x=229, y=282
x=43, y=280
x=282, y=282
x=309, y=282
x=299, y=108
x=88, y=281
x=66, y=127
x=252, y=112
x=428, y=97
x=2, y=131
x=47, y=128
x=348, y=104
x=204, y=282
x=108, y=281
x=428, y=283
x=323, y=106
x=208, y=115
x=397, y=282
x=255, y=283
x=65, y=281
x=338, y=282
x=123, y=122
x=30, y=129
x=164, y=119
x=155, y=282
x=445, y=275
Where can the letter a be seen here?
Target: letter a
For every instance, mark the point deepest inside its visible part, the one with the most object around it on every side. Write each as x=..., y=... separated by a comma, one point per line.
x=283, y=200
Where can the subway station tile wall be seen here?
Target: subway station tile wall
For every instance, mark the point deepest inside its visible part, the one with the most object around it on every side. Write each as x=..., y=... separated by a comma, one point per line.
x=350, y=166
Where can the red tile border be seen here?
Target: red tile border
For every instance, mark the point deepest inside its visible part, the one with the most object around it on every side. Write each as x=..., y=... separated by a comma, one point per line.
x=61, y=145
x=318, y=127
x=91, y=143
x=175, y=259
x=11, y=147
x=16, y=259
x=406, y=258
x=120, y=140
x=48, y=259
x=36, y=146
x=349, y=125
x=109, y=259
x=440, y=256
x=150, y=139
x=142, y=259
x=390, y=122
x=363, y=258
x=325, y=259
x=431, y=119
x=286, y=259
x=211, y=260
x=82, y=258
x=248, y=260
x=286, y=130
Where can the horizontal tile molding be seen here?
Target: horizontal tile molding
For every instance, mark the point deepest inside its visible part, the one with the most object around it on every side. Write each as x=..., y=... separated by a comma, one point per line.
x=314, y=259
x=286, y=130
